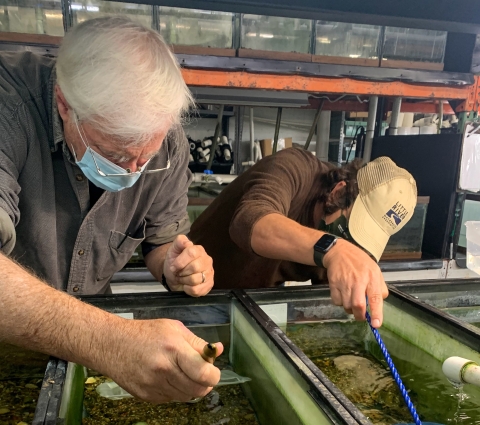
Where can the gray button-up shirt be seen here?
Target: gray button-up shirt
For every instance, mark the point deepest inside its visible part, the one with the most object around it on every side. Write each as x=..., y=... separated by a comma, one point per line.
x=44, y=196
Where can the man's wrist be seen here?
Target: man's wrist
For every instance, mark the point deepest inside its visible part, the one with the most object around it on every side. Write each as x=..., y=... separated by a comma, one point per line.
x=322, y=247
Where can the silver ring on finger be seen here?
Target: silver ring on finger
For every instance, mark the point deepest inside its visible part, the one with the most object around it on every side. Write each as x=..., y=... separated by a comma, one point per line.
x=203, y=277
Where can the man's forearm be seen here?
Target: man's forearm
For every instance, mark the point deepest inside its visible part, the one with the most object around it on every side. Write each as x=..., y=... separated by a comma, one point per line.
x=278, y=237
x=35, y=316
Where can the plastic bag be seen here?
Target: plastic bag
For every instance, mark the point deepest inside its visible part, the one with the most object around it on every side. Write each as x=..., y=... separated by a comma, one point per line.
x=113, y=391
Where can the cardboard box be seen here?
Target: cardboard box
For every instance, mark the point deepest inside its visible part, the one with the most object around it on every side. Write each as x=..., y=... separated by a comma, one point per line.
x=357, y=115
x=267, y=145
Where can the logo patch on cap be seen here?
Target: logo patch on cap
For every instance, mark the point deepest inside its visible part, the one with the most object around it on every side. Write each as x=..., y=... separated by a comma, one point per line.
x=395, y=215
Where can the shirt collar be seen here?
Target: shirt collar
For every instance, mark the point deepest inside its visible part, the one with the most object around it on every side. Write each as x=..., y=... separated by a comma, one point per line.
x=56, y=129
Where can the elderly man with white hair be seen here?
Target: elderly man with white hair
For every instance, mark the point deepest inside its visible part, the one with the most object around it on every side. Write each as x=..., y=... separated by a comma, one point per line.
x=93, y=162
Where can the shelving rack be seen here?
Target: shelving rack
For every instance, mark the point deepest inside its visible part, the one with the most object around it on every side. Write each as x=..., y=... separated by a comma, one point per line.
x=455, y=89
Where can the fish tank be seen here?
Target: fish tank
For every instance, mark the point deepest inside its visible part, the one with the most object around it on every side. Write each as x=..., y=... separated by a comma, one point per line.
x=25, y=389
x=195, y=27
x=32, y=17
x=83, y=10
x=346, y=355
x=347, y=40
x=458, y=298
x=260, y=32
x=279, y=390
x=415, y=45
x=407, y=243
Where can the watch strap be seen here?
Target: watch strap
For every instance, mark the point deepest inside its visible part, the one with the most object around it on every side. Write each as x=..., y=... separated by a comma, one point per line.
x=318, y=258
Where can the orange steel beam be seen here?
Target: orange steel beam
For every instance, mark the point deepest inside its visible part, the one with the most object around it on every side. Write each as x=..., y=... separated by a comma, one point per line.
x=472, y=101
x=317, y=84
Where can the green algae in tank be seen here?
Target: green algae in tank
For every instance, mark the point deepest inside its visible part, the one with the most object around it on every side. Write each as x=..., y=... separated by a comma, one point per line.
x=223, y=405
x=348, y=354
x=21, y=375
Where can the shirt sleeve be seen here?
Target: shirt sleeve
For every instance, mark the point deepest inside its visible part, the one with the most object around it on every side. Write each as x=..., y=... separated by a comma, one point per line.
x=168, y=217
x=274, y=183
x=13, y=155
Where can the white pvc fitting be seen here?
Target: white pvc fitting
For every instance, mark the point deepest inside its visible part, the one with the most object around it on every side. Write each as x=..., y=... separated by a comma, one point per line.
x=227, y=154
x=204, y=153
x=462, y=371
x=206, y=143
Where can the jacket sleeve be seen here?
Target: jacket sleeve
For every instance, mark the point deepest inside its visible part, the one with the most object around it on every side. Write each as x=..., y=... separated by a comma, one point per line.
x=274, y=183
x=13, y=155
x=168, y=217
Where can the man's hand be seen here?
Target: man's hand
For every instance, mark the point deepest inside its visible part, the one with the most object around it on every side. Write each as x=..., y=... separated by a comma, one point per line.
x=352, y=275
x=188, y=268
x=160, y=361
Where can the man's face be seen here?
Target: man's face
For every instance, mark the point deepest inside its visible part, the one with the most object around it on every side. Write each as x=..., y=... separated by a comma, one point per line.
x=131, y=158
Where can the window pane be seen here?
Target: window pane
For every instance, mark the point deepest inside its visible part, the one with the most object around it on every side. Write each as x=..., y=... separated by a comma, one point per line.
x=32, y=17
x=88, y=9
x=414, y=44
x=196, y=27
x=278, y=34
x=347, y=40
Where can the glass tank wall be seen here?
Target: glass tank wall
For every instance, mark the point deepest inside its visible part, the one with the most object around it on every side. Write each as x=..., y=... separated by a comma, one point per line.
x=88, y=9
x=206, y=28
x=32, y=17
x=414, y=44
x=196, y=27
x=460, y=298
x=346, y=352
x=280, y=391
x=261, y=32
x=407, y=243
x=347, y=40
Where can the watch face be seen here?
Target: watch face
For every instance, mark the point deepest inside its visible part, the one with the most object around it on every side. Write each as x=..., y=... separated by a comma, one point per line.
x=325, y=242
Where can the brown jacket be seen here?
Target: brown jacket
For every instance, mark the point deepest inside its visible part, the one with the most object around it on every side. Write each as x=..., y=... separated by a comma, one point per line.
x=287, y=183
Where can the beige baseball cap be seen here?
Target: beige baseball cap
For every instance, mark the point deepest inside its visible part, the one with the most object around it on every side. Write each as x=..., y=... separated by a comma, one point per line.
x=386, y=201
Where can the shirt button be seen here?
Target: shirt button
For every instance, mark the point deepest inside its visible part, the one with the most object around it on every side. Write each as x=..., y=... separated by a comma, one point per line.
x=75, y=289
x=81, y=252
x=79, y=177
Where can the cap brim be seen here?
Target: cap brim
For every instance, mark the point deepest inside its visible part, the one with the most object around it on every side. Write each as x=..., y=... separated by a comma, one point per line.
x=366, y=232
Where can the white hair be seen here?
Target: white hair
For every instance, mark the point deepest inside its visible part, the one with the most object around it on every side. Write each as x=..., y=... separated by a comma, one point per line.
x=122, y=79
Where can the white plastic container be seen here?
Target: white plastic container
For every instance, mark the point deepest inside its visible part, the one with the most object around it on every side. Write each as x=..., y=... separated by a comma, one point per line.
x=473, y=245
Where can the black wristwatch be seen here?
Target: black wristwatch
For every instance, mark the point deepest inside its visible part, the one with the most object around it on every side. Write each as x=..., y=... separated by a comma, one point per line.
x=323, y=245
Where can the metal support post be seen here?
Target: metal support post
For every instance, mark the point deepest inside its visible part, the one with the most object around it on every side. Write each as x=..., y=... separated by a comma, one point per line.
x=323, y=136
x=215, y=138
x=277, y=130
x=395, y=120
x=252, y=135
x=440, y=116
x=342, y=137
x=372, y=115
x=314, y=125
x=239, y=110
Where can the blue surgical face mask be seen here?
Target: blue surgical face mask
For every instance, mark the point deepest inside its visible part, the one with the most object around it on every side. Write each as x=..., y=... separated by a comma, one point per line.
x=102, y=172
x=119, y=181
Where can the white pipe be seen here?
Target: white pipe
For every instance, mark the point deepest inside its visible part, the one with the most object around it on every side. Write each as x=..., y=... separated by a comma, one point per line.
x=440, y=116
x=252, y=136
x=323, y=136
x=372, y=115
x=395, y=120
x=213, y=178
x=462, y=371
